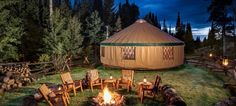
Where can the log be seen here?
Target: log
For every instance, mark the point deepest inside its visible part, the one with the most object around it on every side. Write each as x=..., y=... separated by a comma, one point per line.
x=1, y=90
x=14, y=85
x=4, y=86
x=8, y=87
x=9, y=74
x=171, y=97
x=6, y=79
x=11, y=82
x=19, y=85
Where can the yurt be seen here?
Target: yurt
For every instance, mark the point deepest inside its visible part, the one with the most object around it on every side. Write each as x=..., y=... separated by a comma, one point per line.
x=142, y=46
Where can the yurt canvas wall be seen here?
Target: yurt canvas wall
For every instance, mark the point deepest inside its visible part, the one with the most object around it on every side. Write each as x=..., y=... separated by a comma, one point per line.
x=142, y=57
x=142, y=46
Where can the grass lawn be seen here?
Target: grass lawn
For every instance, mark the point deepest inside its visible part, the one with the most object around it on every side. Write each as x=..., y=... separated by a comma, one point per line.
x=197, y=86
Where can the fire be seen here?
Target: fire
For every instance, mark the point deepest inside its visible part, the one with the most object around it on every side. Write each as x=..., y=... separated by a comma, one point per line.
x=107, y=96
x=225, y=62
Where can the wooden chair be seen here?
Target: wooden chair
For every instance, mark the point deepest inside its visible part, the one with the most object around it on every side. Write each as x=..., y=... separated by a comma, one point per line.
x=94, y=80
x=151, y=91
x=52, y=98
x=126, y=80
x=70, y=84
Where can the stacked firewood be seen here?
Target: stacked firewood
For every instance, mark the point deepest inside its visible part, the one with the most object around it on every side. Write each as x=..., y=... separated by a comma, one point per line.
x=171, y=97
x=231, y=101
x=14, y=76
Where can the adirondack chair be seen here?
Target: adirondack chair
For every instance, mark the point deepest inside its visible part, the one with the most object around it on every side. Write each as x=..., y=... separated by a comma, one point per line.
x=151, y=91
x=52, y=98
x=94, y=80
x=126, y=80
x=69, y=84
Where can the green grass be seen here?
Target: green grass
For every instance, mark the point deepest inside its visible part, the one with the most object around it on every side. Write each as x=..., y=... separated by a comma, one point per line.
x=197, y=86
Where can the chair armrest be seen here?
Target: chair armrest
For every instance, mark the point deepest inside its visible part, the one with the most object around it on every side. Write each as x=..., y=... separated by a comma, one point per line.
x=69, y=84
x=77, y=80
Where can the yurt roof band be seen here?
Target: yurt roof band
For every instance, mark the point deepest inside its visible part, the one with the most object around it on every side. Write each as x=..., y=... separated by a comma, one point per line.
x=143, y=44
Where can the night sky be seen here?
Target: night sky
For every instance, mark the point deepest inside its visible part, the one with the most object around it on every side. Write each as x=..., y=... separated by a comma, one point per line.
x=193, y=11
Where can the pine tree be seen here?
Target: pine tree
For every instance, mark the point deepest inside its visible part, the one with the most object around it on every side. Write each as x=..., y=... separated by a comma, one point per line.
x=75, y=39
x=118, y=26
x=128, y=13
x=180, y=28
x=164, y=26
x=94, y=34
x=188, y=38
x=98, y=6
x=178, y=23
x=170, y=32
x=94, y=25
x=198, y=42
x=211, y=37
x=220, y=16
x=204, y=42
x=56, y=35
x=152, y=19
x=108, y=12
x=11, y=30
x=62, y=38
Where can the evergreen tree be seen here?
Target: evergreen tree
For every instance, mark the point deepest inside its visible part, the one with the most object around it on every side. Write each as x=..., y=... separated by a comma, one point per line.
x=204, y=43
x=98, y=6
x=221, y=19
x=164, y=26
x=75, y=39
x=94, y=34
x=118, y=26
x=211, y=37
x=94, y=25
x=128, y=13
x=109, y=17
x=188, y=38
x=35, y=18
x=198, y=42
x=152, y=19
x=62, y=38
x=170, y=32
x=178, y=23
x=11, y=30
x=180, y=28
x=56, y=35
x=108, y=12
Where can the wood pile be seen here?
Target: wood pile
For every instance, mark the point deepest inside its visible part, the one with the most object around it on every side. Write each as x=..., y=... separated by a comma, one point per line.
x=171, y=97
x=231, y=101
x=14, y=76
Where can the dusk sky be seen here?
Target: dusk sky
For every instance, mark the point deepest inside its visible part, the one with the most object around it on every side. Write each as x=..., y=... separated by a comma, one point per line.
x=193, y=11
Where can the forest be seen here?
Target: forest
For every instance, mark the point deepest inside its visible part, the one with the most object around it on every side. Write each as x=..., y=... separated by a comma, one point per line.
x=49, y=30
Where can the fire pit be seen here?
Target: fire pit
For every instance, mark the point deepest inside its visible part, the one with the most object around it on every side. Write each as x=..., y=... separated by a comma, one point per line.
x=108, y=98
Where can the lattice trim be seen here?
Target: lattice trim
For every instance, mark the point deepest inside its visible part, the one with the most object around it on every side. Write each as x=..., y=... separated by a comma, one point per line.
x=168, y=53
x=128, y=53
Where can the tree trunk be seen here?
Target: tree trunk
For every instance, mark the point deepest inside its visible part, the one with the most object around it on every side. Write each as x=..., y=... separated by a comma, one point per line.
x=223, y=40
x=50, y=12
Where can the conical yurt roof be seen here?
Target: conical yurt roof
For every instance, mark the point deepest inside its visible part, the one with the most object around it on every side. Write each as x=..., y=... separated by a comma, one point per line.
x=141, y=33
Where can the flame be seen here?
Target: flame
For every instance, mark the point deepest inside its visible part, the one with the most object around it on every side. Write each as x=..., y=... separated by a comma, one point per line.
x=144, y=80
x=225, y=62
x=107, y=96
x=210, y=55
